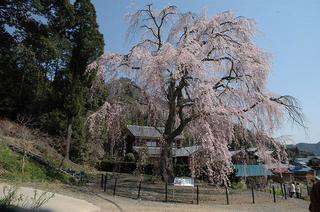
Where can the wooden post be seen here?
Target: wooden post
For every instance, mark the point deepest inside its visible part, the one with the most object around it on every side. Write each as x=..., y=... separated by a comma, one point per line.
x=139, y=188
x=81, y=177
x=274, y=194
x=252, y=193
x=102, y=176
x=105, y=183
x=197, y=195
x=227, y=195
x=285, y=191
x=115, y=186
x=166, y=197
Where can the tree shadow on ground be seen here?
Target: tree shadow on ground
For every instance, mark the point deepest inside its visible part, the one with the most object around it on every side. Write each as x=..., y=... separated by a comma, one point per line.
x=17, y=209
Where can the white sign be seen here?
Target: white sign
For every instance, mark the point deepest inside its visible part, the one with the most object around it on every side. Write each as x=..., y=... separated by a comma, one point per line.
x=183, y=181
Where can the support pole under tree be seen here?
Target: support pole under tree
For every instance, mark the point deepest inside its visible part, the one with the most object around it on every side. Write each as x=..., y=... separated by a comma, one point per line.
x=285, y=191
x=101, y=183
x=227, y=195
x=166, y=197
x=105, y=183
x=197, y=195
x=139, y=189
x=115, y=186
x=274, y=194
x=252, y=193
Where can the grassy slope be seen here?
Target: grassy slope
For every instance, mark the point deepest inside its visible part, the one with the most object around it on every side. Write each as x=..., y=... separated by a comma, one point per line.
x=11, y=168
x=14, y=137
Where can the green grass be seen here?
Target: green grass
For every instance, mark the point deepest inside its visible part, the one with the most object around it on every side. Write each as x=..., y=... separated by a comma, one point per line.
x=276, y=190
x=240, y=186
x=11, y=169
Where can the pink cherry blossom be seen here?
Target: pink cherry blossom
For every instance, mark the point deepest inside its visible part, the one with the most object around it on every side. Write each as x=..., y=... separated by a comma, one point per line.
x=201, y=74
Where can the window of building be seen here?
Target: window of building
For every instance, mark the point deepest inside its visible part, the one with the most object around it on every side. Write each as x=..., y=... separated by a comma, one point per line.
x=151, y=143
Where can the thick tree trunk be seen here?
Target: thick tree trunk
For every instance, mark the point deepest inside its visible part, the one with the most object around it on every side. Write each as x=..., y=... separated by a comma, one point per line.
x=68, y=141
x=166, y=162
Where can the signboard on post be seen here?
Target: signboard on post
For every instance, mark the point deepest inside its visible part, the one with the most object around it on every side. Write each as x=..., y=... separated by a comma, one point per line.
x=183, y=181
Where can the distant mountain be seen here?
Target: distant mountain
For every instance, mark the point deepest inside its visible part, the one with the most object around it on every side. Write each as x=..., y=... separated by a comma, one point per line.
x=307, y=147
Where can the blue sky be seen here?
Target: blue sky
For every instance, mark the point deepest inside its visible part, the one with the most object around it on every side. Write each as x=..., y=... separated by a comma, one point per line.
x=288, y=29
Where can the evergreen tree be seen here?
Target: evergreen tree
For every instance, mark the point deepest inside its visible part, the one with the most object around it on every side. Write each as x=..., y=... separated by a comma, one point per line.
x=45, y=48
x=26, y=53
x=87, y=46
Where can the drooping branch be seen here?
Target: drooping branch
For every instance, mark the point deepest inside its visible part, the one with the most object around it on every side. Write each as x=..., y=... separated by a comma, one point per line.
x=207, y=77
x=292, y=107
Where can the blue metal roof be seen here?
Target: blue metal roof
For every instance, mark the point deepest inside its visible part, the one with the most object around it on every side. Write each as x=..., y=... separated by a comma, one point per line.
x=299, y=168
x=251, y=170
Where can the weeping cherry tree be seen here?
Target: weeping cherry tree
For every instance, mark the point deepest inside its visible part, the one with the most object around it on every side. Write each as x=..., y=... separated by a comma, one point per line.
x=204, y=74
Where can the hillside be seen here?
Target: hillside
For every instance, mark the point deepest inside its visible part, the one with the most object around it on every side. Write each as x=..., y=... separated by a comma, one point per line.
x=26, y=155
x=307, y=147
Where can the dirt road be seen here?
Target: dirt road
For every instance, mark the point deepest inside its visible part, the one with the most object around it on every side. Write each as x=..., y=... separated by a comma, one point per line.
x=83, y=199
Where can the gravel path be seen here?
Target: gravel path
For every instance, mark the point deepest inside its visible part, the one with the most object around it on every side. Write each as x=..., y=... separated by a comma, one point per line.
x=291, y=205
x=58, y=203
x=107, y=202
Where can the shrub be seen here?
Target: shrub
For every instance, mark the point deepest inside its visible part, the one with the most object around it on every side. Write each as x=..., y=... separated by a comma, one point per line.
x=129, y=157
x=106, y=165
x=127, y=167
x=239, y=185
x=182, y=170
x=130, y=167
x=148, y=169
x=118, y=166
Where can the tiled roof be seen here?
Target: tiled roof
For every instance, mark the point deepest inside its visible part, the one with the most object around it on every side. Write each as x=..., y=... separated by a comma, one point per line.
x=186, y=151
x=147, y=132
x=251, y=170
x=252, y=150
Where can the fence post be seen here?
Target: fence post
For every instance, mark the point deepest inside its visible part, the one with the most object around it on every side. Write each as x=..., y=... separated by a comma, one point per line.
x=105, y=183
x=252, y=193
x=115, y=186
x=285, y=191
x=274, y=194
x=227, y=195
x=166, y=197
x=139, y=188
x=80, y=181
x=101, y=181
x=197, y=195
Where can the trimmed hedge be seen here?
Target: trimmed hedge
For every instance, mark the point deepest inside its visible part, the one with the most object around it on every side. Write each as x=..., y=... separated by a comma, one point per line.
x=129, y=157
x=130, y=167
x=182, y=170
x=148, y=169
x=117, y=166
